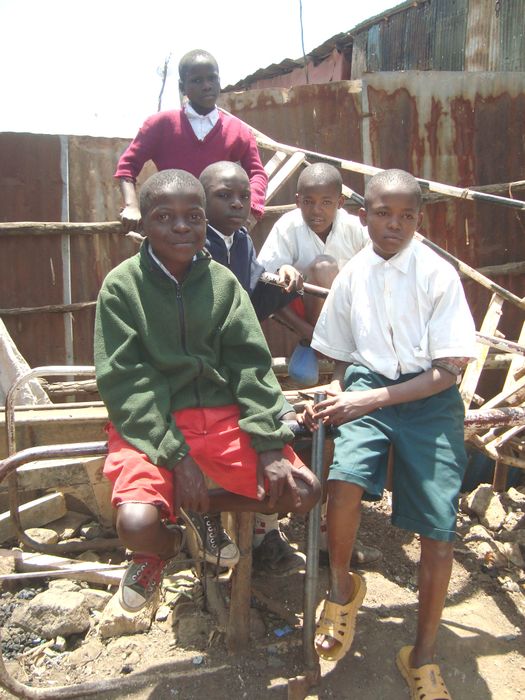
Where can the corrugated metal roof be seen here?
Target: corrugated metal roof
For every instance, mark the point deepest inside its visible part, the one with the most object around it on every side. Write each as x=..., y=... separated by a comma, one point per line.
x=424, y=35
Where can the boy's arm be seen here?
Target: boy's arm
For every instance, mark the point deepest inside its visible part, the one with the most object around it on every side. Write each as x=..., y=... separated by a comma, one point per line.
x=348, y=405
x=251, y=162
x=136, y=394
x=130, y=214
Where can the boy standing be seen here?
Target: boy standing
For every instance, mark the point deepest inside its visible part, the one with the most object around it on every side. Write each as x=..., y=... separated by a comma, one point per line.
x=397, y=323
x=227, y=190
x=318, y=239
x=185, y=373
x=191, y=138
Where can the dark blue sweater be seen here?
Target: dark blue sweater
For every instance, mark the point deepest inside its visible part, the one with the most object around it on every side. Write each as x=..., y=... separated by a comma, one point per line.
x=241, y=259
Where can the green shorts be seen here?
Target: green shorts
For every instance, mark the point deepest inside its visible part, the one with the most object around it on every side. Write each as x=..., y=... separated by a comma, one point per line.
x=429, y=455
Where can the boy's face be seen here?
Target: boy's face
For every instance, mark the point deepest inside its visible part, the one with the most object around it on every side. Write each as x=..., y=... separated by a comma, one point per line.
x=392, y=217
x=319, y=205
x=202, y=85
x=228, y=199
x=176, y=229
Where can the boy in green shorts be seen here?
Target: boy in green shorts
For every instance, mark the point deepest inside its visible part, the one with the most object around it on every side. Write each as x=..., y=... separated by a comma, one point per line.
x=399, y=328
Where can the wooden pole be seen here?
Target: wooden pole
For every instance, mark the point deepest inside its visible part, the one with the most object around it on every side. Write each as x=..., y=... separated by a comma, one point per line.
x=238, y=635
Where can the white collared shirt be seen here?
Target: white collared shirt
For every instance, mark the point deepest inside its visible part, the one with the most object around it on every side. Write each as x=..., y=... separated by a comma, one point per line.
x=395, y=316
x=163, y=267
x=201, y=124
x=292, y=242
x=228, y=240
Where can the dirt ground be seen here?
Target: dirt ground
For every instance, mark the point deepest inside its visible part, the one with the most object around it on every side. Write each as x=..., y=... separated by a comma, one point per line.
x=481, y=645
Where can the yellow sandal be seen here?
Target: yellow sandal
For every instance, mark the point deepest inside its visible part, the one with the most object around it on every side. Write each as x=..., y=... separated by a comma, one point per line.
x=338, y=622
x=425, y=682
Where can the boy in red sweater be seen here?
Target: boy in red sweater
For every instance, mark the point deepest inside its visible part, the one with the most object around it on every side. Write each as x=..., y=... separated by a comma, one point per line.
x=191, y=138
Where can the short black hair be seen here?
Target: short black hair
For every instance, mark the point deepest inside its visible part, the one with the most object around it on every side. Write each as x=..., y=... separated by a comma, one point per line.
x=217, y=169
x=187, y=61
x=320, y=175
x=179, y=180
x=394, y=178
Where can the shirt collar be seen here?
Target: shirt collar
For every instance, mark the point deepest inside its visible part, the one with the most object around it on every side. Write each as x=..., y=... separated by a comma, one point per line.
x=212, y=116
x=163, y=267
x=222, y=235
x=400, y=261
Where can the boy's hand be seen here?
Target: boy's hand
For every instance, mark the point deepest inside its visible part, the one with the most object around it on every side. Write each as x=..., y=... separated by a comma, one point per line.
x=308, y=418
x=130, y=218
x=291, y=277
x=280, y=474
x=190, y=490
x=344, y=406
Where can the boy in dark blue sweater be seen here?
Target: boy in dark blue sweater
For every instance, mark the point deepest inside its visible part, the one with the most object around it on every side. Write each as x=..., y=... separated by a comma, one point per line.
x=227, y=189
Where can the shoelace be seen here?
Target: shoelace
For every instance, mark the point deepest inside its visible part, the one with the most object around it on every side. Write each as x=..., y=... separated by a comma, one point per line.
x=148, y=573
x=212, y=528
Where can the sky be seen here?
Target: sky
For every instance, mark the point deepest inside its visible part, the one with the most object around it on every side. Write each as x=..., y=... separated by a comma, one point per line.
x=72, y=67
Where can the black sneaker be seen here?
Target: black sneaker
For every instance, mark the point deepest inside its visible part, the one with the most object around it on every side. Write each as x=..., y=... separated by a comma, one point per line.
x=212, y=538
x=276, y=556
x=140, y=581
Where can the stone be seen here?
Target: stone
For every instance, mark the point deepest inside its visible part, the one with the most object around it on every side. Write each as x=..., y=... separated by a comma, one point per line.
x=42, y=535
x=122, y=646
x=514, y=521
x=87, y=652
x=116, y=621
x=477, y=532
x=52, y=613
x=95, y=599
x=515, y=498
x=92, y=531
x=64, y=584
x=68, y=526
x=193, y=630
x=59, y=644
x=88, y=556
x=511, y=550
x=486, y=505
x=162, y=613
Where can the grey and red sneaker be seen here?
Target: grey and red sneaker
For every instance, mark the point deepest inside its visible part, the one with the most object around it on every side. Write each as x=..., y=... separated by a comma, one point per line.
x=140, y=582
x=212, y=540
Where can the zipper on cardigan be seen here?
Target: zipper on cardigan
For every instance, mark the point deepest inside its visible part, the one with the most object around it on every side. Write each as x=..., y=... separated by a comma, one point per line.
x=182, y=323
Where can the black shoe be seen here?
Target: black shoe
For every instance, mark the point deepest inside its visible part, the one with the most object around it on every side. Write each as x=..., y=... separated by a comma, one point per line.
x=212, y=538
x=276, y=556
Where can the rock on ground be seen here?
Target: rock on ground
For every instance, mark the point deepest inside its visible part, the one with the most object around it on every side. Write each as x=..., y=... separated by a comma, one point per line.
x=116, y=621
x=53, y=612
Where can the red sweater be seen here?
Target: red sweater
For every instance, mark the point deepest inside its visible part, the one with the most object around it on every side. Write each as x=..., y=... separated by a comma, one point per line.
x=168, y=139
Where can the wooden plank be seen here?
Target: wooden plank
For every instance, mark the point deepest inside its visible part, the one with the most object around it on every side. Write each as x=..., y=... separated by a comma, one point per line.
x=275, y=162
x=474, y=369
x=238, y=635
x=34, y=514
x=278, y=180
x=516, y=364
x=61, y=567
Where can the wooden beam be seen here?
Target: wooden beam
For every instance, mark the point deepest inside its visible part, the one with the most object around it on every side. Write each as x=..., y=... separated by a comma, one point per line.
x=46, y=228
x=34, y=514
x=278, y=180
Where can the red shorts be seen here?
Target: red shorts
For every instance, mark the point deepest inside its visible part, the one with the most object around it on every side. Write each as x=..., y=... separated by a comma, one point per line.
x=297, y=306
x=221, y=449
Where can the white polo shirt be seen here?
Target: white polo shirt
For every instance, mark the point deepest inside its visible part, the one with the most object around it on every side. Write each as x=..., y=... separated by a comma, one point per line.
x=292, y=242
x=395, y=316
x=201, y=124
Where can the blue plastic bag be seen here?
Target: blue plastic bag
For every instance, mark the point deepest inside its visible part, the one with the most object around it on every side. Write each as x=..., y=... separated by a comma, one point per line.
x=304, y=366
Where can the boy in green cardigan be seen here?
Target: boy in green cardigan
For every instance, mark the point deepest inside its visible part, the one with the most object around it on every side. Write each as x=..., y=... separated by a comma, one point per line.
x=185, y=373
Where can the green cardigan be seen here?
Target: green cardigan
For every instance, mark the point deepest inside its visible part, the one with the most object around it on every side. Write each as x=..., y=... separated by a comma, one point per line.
x=162, y=346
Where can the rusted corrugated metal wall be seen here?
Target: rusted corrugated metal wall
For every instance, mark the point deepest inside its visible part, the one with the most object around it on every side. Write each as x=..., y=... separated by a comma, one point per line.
x=453, y=127
x=443, y=35
x=32, y=188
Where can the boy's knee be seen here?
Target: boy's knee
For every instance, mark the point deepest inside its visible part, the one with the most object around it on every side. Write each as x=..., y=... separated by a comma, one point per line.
x=322, y=270
x=310, y=494
x=136, y=520
x=436, y=550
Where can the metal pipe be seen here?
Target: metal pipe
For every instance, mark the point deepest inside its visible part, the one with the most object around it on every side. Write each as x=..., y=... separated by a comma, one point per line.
x=312, y=550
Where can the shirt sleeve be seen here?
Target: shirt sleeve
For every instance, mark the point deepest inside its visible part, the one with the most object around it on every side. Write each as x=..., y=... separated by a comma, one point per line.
x=251, y=162
x=251, y=378
x=140, y=150
x=333, y=332
x=277, y=249
x=136, y=394
x=451, y=330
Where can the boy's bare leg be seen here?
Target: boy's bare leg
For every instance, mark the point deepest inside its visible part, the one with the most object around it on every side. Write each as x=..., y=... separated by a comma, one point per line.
x=343, y=517
x=141, y=530
x=322, y=271
x=434, y=575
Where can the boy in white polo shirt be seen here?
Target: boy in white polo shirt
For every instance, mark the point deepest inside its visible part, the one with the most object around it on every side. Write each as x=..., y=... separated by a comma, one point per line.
x=397, y=323
x=317, y=239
